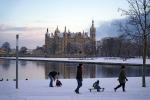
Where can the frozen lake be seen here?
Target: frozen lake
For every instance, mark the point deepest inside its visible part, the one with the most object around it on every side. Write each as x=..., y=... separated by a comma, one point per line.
x=34, y=70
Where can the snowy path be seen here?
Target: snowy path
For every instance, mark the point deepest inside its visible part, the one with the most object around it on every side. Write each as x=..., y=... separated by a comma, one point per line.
x=39, y=90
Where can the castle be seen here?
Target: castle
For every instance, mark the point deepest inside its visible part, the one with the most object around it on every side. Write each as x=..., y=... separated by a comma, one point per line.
x=73, y=44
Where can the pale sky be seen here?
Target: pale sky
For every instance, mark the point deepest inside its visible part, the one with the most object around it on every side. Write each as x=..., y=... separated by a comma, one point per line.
x=30, y=18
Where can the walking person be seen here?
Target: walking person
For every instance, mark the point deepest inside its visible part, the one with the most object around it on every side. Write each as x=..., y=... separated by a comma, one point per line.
x=53, y=75
x=79, y=77
x=122, y=79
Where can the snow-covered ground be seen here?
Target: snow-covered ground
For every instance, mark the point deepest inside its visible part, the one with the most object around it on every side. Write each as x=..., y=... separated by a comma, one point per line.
x=39, y=90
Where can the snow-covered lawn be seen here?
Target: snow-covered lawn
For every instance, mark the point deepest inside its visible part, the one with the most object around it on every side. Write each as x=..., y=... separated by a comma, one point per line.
x=39, y=90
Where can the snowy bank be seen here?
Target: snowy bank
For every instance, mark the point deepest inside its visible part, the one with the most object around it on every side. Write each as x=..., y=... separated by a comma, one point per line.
x=98, y=60
x=39, y=90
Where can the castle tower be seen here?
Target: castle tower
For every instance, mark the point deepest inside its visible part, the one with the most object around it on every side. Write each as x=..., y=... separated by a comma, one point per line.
x=57, y=31
x=65, y=40
x=46, y=37
x=46, y=34
x=46, y=42
x=65, y=30
x=93, y=31
x=93, y=37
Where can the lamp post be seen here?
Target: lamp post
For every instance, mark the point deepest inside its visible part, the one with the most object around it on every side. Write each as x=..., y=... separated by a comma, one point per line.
x=17, y=37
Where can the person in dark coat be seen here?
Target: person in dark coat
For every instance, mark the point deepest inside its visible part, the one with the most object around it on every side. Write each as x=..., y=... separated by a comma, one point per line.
x=79, y=78
x=122, y=79
x=52, y=75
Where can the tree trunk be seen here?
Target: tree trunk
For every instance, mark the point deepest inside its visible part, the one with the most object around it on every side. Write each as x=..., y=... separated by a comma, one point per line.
x=144, y=45
x=144, y=61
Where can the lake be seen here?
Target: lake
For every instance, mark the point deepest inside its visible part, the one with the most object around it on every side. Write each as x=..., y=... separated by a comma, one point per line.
x=35, y=70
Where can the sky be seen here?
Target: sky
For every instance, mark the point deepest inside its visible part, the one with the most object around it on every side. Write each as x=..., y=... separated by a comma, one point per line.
x=30, y=18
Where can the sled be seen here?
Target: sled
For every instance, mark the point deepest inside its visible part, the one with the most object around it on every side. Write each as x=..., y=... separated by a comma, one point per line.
x=101, y=89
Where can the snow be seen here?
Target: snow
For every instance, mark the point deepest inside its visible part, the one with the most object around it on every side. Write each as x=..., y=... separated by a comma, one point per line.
x=39, y=90
x=98, y=60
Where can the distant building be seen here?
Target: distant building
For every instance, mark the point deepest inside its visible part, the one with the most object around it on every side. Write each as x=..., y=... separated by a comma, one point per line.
x=73, y=44
x=2, y=51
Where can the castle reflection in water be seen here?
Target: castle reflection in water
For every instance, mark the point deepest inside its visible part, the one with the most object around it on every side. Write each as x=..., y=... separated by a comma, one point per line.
x=68, y=70
x=40, y=69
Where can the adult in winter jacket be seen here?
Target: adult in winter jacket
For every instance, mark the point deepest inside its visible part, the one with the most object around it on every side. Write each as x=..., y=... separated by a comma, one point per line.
x=79, y=78
x=52, y=75
x=122, y=79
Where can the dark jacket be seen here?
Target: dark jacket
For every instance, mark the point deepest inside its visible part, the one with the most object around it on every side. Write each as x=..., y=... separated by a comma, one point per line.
x=58, y=83
x=52, y=74
x=122, y=76
x=96, y=84
x=79, y=73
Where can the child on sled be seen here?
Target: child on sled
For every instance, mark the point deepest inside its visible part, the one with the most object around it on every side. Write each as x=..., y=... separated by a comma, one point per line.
x=97, y=87
x=58, y=83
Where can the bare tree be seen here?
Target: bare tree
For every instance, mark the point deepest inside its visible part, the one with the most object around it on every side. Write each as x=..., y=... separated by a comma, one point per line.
x=138, y=15
x=6, y=47
x=149, y=46
x=23, y=50
x=117, y=47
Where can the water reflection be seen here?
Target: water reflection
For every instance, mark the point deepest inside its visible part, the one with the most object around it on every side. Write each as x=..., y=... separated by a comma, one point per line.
x=68, y=70
x=40, y=69
x=5, y=64
x=23, y=63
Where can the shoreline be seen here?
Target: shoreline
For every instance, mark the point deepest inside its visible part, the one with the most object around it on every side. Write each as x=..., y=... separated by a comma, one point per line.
x=100, y=60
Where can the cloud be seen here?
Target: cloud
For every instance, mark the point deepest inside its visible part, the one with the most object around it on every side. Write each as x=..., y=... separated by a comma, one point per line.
x=6, y=28
x=28, y=36
x=30, y=40
x=109, y=29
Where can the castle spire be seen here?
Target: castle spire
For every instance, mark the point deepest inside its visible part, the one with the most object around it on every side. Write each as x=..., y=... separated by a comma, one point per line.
x=93, y=37
x=57, y=31
x=93, y=31
x=92, y=23
x=47, y=30
x=68, y=31
x=65, y=30
x=57, y=27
